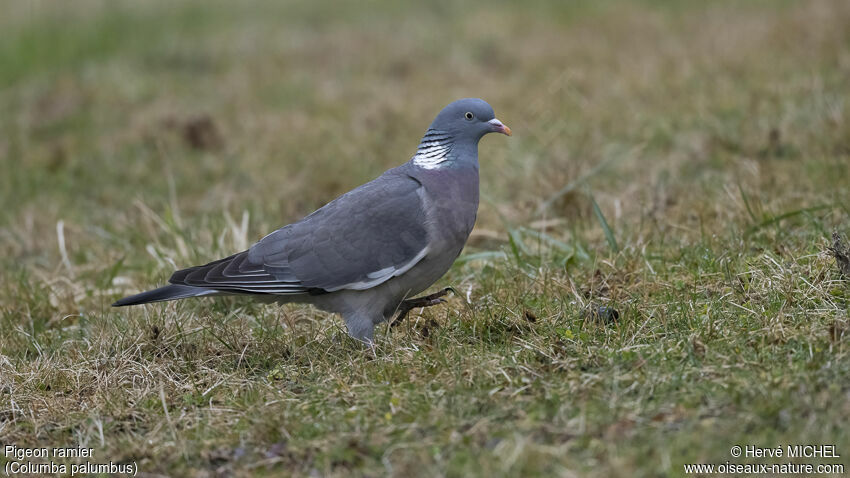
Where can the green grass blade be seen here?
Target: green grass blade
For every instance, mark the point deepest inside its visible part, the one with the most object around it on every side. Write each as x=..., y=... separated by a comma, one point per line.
x=482, y=256
x=782, y=217
x=746, y=200
x=609, y=234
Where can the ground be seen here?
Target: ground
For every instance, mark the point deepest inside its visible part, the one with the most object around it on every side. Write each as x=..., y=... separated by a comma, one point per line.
x=683, y=163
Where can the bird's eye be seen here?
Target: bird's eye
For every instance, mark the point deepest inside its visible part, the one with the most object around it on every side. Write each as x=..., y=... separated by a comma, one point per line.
x=469, y=115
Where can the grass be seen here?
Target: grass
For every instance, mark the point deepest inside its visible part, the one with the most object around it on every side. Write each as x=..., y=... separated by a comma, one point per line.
x=683, y=163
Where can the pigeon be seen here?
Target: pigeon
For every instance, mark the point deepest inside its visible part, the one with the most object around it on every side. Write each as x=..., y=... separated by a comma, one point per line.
x=365, y=254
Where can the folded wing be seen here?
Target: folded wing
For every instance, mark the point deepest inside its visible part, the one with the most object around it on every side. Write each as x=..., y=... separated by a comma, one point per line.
x=358, y=241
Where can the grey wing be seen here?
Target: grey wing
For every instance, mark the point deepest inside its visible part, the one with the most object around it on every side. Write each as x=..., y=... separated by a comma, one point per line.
x=359, y=240
x=238, y=275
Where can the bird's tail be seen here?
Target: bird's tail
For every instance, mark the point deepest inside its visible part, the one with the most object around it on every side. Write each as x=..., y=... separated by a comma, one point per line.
x=167, y=292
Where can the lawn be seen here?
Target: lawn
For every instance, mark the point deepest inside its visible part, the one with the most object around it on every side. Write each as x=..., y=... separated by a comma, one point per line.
x=683, y=163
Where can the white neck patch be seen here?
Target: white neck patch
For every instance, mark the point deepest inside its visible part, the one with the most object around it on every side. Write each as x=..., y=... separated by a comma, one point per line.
x=434, y=149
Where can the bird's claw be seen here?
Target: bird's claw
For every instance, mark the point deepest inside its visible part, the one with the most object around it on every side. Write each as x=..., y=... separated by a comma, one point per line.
x=418, y=302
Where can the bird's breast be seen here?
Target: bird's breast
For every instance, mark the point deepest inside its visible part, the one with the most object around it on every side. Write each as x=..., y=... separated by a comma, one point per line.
x=450, y=198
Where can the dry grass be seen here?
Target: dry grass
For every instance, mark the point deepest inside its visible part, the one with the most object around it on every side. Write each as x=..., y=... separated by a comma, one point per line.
x=140, y=137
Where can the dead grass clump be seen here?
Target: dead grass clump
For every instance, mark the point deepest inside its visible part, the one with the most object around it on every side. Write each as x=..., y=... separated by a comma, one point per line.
x=841, y=252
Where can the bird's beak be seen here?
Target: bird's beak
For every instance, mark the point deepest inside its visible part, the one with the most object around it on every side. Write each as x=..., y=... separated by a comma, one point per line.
x=498, y=127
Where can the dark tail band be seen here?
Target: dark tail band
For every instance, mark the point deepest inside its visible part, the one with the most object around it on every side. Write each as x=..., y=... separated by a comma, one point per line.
x=168, y=292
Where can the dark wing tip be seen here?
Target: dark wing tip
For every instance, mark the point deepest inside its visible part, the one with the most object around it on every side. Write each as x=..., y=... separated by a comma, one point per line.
x=123, y=302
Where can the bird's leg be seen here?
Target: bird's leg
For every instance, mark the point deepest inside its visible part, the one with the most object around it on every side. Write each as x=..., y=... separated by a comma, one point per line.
x=424, y=301
x=360, y=327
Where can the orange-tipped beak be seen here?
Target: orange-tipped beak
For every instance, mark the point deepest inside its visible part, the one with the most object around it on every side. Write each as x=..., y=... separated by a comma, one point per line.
x=499, y=127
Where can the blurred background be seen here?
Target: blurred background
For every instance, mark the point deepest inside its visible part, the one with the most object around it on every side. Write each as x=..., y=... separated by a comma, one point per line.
x=668, y=157
x=200, y=112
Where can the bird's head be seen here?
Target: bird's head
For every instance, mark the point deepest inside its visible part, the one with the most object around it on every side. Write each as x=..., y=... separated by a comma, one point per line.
x=469, y=118
x=453, y=136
